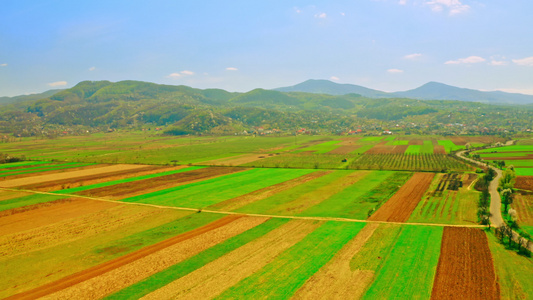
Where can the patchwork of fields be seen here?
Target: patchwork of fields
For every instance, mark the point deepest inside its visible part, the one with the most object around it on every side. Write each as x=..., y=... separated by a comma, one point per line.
x=200, y=232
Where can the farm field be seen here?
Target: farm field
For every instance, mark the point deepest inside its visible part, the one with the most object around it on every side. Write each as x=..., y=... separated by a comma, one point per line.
x=520, y=156
x=203, y=232
x=449, y=200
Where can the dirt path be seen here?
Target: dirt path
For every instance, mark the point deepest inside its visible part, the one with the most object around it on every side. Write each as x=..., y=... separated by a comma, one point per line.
x=465, y=267
x=336, y=280
x=77, y=278
x=221, y=274
x=257, y=215
x=46, y=215
x=66, y=175
x=400, y=206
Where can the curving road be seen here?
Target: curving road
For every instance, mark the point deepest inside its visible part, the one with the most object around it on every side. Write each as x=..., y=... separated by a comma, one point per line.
x=495, y=199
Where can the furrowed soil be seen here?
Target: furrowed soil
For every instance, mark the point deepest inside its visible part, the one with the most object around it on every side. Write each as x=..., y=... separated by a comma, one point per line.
x=438, y=149
x=48, y=214
x=97, y=178
x=524, y=183
x=336, y=280
x=403, y=203
x=66, y=174
x=465, y=268
x=524, y=207
x=214, y=278
x=238, y=202
x=235, y=161
x=98, y=281
x=145, y=186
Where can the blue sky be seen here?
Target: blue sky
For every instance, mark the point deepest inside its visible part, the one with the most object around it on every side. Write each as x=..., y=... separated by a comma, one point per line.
x=390, y=45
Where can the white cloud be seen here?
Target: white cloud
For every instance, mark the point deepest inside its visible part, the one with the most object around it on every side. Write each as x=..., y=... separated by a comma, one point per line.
x=528, y=61
x=413, y=56
x=498, y=63
x=402, y=2
x=343, y=14
x=335, y=78
x=394, y=71
x=174, y=75
x=57, y=83
x=187, y=72
x=453, y=6
x=232, y=69
x=467, y=60
x=321, y=15
x=92, y=68
x=3, y=65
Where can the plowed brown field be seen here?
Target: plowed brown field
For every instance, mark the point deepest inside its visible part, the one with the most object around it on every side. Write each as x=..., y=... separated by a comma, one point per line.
x=130, y=189
x=416, y=142
x=400, y=149
x=50, y=173
x=381, y=149
x=524, y=183
x=66, y=174
x=401, y=205
x=465, y=269
x=80, y=277
x=524, y=208
x=438, y=149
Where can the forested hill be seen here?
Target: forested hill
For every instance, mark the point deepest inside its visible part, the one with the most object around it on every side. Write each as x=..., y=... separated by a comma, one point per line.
x=104, y=105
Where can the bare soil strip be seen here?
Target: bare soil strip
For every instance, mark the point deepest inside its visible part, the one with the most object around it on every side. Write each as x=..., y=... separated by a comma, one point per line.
x=97, y=178
x=400, y=206
x=336, y=280
x=234, y=161
x=416, y=142
x=52, y=172
x=381, y=149
x=73, y=229
x=400, y=149
x=524, y=182
x=438, y=149
x=139, y=187
x=91, y=293
x=66, y=175
x=345, y=149
x=465, y=268
x=238, y=202
x=135, y=271
x=219, y=275
x=50, y=214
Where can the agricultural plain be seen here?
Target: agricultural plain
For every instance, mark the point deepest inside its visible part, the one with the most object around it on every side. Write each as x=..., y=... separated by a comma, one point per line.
x=203, y=231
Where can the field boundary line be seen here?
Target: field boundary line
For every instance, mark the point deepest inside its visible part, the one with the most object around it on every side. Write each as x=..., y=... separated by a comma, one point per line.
x=245, y=214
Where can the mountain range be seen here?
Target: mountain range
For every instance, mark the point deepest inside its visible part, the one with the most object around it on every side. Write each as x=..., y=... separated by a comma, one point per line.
x=428, y=91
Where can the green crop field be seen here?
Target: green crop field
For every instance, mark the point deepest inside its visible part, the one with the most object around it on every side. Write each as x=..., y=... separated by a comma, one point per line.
x=408, y=271
x=450, y=146
x=320, y=148
x=278, y=279
x=409, y=162
x=211, y=191
x=446, y=207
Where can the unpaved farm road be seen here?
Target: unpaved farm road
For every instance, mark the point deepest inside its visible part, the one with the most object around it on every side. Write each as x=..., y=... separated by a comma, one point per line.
x=244, y=214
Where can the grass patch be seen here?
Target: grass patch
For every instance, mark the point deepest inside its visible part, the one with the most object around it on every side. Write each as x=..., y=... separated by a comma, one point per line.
x=179, y=270
x=320, y=148
x=513, y=271
x=376, y=249
x=23, y=163
x=279, y=278
x=413, y=149
x=211, y=191
x=524, y=171
x=409, y=270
